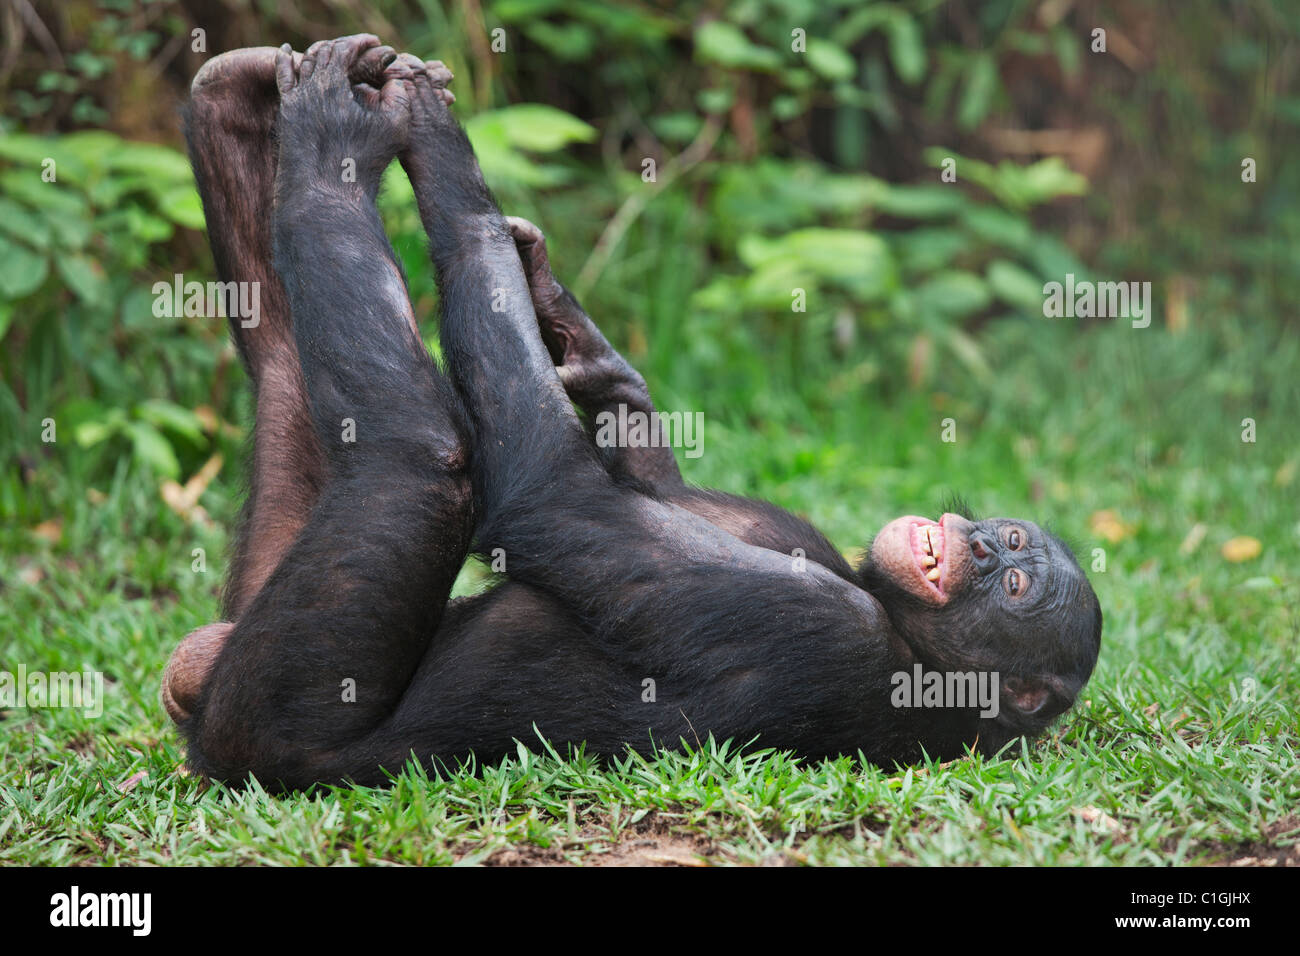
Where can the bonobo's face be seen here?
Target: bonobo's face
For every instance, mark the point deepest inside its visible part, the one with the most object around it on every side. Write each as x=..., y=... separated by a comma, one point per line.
x=1000, y=594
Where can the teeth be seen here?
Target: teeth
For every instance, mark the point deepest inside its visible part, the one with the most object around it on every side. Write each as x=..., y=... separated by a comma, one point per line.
x=933, y=574
x=928, y=561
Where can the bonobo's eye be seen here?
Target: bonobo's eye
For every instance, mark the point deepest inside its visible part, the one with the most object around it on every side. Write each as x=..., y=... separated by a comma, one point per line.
x=1015, y=538
x=1016, y=582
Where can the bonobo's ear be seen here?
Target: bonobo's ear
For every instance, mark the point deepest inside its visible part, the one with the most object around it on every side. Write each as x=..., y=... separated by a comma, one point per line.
x=1033, y=696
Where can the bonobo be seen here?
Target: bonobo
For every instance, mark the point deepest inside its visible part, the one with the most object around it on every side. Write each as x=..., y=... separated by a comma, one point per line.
x=635, y=611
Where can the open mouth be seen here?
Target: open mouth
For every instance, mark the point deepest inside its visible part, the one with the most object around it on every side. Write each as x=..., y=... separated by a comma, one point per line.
x=927, y=550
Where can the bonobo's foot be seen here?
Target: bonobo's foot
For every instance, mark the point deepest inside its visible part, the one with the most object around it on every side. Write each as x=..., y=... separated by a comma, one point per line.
x=237, y=92
x=233, y=109
x=341, y=112
x=189, y=666
x=429, y=101
x=593, y=373
x=232, y=112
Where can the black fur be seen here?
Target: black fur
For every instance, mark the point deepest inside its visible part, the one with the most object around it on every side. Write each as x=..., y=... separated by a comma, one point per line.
x=614, y=576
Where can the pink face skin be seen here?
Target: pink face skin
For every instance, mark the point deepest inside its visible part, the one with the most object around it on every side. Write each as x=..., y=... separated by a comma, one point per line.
x=905, y=548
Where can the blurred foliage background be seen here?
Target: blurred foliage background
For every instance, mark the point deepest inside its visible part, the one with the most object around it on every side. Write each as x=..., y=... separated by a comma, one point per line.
x=777, y=166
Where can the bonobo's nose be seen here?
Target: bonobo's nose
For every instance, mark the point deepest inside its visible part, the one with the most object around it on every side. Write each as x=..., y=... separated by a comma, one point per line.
x=983, y=550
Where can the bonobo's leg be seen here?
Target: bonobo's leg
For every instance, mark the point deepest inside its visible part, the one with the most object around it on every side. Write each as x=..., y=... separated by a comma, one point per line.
x=599, y=379
x=328, y=645
x=230, y=127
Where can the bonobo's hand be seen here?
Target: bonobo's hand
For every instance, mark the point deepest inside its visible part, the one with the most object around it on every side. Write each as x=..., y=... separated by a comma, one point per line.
x=593, y=373
x=340, y=110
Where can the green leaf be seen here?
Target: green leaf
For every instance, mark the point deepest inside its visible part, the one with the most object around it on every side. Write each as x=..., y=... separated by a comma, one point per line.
x=858, y=261
x=23, y=225
x=954, y=293
x=147, y=227
x=153, y=449
x=21, y=270
x=572, y=42
x=1011, y=231
x=977, y=95
x=922, y=202
x=680, y=127
x=906, y=47
x=830, y=61
x=89, y=434
x=164, y=414
x=85, y=277
x=26, y=149
x=1015, y=285
x=537, y=127
x=715, y=100
x=182, y=205
x=969, y=353
x=720, y=42
x=91, y=422
x=166, y=166
x=927, y=249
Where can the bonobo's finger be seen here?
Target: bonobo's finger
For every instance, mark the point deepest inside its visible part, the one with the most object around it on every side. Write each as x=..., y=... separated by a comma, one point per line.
x=530, y=242
x=523, y=231
x=439, y=72
x=310, y=58
x=396, y=95
x=285, y=78
x=346, y=52
x=440, y=76
x=404, y=67
x=371, y=65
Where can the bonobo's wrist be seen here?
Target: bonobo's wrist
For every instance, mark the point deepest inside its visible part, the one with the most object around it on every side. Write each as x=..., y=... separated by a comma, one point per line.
x=474, y=233
x=606, y=391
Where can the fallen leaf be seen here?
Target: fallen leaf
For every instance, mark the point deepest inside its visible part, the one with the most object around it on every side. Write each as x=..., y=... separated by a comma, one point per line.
x=184, y=499
x=1240, y=548
x=1194, y=538
x=1099, y=818
x=50, y=531
x=129, y=784
x=1109, y=525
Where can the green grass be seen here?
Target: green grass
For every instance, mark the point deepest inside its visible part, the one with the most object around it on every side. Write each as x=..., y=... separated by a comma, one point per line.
x=1182, y=750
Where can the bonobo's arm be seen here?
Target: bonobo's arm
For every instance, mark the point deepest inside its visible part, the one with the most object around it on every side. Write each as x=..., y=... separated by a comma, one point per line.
x=595, y=375
x=599, y=380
